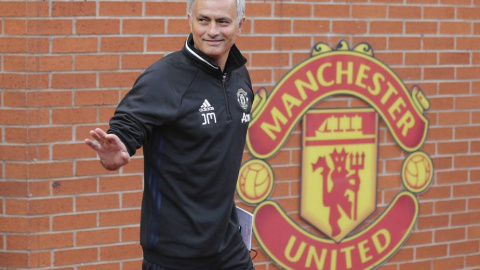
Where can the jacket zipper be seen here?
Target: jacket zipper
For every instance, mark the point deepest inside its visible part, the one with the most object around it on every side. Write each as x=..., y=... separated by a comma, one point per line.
x=229, y=116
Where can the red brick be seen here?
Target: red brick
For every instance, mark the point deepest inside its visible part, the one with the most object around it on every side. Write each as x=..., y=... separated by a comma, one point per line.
x=310, y=26
x=40, y=259
x=73, y=116
x=421, y=58
x=349, y=27
x=13, y=188
x=120, y=183
x=39, y=188
x=451, y=205
x=439, y=73
x=386, y=27
x=16, y=207
x=291, y=43
x=465, y=218
x=75, y=45
x=404, y=12
x=369, y=11
x=431, y=222
x=94, y=167
x=97, y=26
x=473, y=260
x=454, y=118
x=15, y=27
x=454, y=58
x=73, y=9
x=273, y=26
x=165, y=9
x=134, y=61
x=466, y=190
x=50, y=206
x=431, y=251
x=438, y=43
x=474, y=231
x=120, y=252
x=165, y=43
x=97, y=202
x=449, y=263
x=73, y=222
x=404, y=43
x=137, y=264
x=421, y=27
x=49, y=27
x=116, y=8
x=14, y=224
x=132, y=199
x=130, y=234
x=254, y=43
x=121, y=44
x=123, y=217
x=438, y=12
x=143, y=26
x=51, y=241
x=97, y=62
x=292, y=10
x=181, y=26
x=47, y=134
x=465, y=247
x=72, y=151
x=454, y=88
x=12, y=45
x=97, y=237
x=44, y=63
x=39, y=99
x=39, y=224
x=96, y=97
x=23, y=9
x=75, y=256
x=468, y=43
x=447, y=235
x=452, y=147
x=416, y=265
x=14, y=259
x=336, y=11
x=104, y=266
x=51, y=170
x=22, y=81
x=21, y=152
x=77, y=186
x=74, y=80
x=17, y=241
x=118, y=79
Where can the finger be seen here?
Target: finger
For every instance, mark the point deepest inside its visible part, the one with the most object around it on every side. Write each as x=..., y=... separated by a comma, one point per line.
x=95, y=146
x=96, y=136
x=100, y=132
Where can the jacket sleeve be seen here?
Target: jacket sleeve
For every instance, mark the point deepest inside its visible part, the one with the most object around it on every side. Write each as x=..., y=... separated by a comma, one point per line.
x=148, y=104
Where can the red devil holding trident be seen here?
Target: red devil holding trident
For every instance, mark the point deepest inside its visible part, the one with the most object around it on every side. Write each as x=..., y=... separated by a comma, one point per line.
x=337, y=197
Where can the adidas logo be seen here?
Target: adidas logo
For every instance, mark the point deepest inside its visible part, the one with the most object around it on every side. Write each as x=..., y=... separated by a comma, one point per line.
x=206, y=107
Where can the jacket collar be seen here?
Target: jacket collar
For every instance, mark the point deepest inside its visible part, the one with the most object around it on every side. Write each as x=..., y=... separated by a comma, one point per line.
x=235, y=58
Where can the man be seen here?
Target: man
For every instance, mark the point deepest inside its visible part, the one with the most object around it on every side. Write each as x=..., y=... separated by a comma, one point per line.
x=190, y=112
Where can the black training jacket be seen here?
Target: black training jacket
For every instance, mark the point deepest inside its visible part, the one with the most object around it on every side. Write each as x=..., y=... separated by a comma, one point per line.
x=191, y=119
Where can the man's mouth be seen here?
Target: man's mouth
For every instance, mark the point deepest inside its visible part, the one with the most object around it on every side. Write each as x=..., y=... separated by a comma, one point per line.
x=213, y=41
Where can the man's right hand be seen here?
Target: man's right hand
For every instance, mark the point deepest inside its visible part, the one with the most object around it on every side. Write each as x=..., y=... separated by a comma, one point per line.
x=111, y=150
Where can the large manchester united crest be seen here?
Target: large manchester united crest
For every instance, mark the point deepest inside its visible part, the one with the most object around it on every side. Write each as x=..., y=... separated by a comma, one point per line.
x=338, y=185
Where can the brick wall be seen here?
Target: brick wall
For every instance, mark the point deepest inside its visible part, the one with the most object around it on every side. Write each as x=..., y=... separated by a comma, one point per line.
x=64, y=65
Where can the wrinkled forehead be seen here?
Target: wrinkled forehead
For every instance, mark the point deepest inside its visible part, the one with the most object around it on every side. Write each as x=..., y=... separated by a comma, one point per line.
x=215, y=8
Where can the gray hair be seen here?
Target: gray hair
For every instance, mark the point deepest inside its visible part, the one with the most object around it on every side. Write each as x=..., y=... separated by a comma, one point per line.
x=240, y=8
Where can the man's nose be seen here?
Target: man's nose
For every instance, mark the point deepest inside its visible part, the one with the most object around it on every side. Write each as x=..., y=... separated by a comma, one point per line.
x=213, y=29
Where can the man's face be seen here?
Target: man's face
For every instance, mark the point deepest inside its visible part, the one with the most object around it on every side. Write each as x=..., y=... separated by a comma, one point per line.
x=215, y=27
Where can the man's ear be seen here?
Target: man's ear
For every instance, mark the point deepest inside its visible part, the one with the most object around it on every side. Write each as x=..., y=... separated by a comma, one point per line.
x=240, y=25
x=189, y=20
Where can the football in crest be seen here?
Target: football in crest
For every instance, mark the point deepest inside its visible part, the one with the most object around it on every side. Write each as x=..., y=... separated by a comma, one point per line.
x=255, y=181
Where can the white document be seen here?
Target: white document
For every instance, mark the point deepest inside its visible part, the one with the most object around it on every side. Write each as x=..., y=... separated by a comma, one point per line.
x=245, y=220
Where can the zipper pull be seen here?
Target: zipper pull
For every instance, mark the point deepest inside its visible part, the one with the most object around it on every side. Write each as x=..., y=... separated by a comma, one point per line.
x=224, y=77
